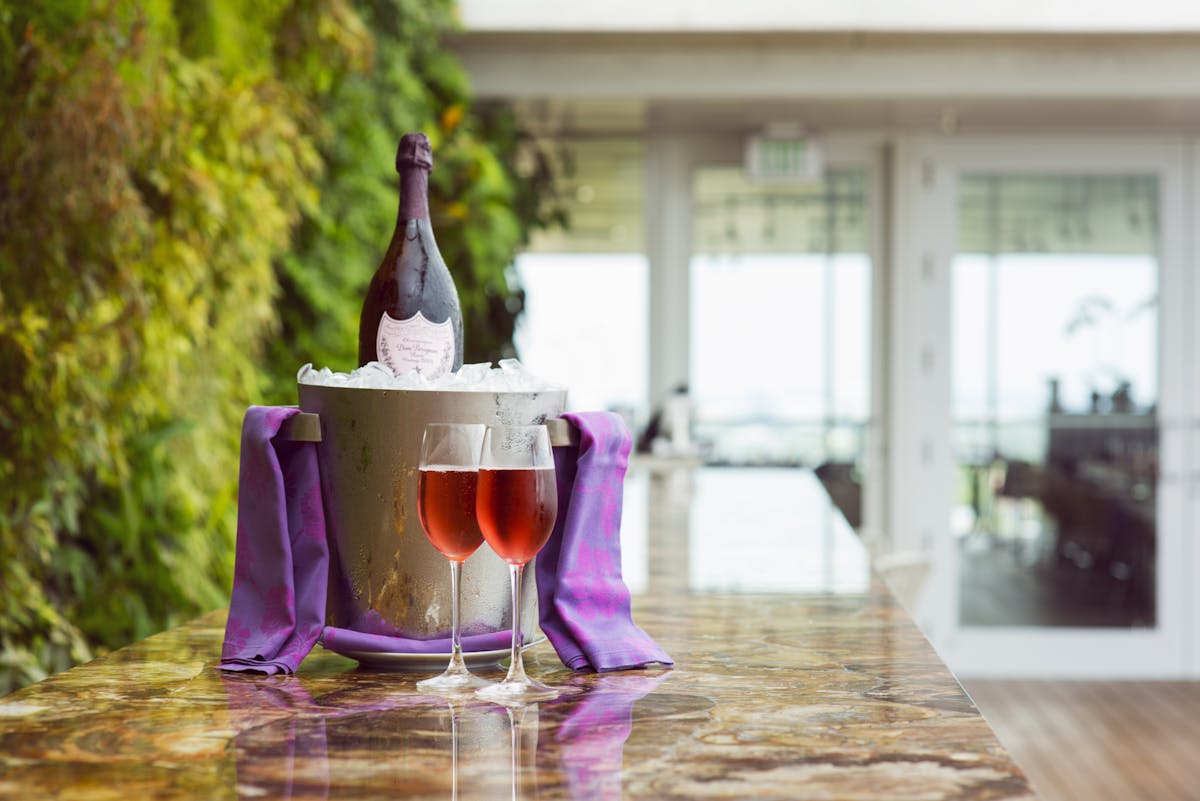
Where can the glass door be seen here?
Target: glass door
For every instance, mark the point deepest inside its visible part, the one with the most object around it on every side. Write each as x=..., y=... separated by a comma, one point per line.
x=1065, y=545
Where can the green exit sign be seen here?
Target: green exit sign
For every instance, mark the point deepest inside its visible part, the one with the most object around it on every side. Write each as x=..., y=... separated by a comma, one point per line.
x=793, y=158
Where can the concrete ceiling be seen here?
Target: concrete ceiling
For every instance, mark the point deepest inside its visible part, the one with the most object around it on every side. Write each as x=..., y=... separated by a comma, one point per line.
x=607, y=84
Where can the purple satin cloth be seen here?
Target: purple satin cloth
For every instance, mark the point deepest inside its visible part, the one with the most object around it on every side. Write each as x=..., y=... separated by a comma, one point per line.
x=342, y=640
x=277, y=610
x=583, y=603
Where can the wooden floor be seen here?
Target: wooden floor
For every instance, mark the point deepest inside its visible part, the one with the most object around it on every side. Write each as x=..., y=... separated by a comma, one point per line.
x=1099, y=741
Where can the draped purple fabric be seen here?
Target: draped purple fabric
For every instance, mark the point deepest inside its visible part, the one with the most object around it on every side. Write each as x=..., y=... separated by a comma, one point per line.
x=583, y=603
x=277, y=610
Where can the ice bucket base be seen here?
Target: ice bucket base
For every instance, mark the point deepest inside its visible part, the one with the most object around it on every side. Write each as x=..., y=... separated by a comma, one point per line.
x=426, y=663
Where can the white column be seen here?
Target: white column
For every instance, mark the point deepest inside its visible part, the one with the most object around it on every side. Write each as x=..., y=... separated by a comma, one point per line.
x=876, y=499
x=668, y=214
x=918, y=430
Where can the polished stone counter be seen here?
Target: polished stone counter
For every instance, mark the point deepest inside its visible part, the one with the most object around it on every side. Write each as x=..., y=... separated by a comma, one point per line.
x=779, y=691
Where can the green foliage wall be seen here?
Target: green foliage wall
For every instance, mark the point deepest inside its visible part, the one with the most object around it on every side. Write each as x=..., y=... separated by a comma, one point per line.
x=192, y=196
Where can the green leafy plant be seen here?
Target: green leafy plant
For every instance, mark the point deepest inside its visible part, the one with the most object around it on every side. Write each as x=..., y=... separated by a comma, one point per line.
x=144, y=198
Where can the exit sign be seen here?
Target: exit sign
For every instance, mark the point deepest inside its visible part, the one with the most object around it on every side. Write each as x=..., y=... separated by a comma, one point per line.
x=784, y=158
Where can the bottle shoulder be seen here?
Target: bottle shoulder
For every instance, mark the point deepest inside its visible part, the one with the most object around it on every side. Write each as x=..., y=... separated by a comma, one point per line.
x=413, y=244
x=413, y=276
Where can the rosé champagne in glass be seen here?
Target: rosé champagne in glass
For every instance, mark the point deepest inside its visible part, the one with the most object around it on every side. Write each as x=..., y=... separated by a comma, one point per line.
x=446, y=507
x=446, y=490
x=516, y=503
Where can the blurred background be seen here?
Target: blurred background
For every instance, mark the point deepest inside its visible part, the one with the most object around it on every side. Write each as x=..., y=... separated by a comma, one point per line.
x=940, y=254
x=943, y=256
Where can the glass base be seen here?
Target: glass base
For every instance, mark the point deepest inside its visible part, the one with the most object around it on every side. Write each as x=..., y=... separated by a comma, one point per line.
x=517, y=692
x=454, y=682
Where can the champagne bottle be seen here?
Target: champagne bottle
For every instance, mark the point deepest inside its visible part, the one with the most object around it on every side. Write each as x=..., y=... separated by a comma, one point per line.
x=411, y=319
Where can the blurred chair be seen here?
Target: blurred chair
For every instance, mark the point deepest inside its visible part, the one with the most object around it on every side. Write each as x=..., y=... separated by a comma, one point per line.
x=844, y=489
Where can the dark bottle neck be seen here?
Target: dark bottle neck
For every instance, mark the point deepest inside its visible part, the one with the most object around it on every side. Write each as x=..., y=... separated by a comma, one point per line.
x=414, y=193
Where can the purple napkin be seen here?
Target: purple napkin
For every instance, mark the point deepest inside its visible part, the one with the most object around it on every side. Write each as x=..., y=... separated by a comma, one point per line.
x=583, y=603
x=277, y=611
x=342, y=640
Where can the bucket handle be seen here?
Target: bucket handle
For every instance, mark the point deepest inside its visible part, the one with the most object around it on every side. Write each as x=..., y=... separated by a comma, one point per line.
x=306, y=427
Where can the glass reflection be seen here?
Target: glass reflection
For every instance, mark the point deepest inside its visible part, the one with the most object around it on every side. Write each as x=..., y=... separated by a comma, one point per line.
x=367, y=739
x=1055, y=396
x=372, y=739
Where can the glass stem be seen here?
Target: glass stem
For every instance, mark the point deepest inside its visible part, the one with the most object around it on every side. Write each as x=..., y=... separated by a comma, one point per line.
x=457, y=666
x=516, y=667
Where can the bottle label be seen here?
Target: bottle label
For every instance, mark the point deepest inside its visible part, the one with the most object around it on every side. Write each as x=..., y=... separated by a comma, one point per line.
x=415, y=344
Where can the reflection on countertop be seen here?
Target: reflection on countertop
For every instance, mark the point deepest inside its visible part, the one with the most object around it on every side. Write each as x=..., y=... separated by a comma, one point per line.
x=723, y=529
x=787, y=691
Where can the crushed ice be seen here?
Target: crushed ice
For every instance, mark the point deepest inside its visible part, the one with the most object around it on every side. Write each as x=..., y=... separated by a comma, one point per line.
x=509, y=376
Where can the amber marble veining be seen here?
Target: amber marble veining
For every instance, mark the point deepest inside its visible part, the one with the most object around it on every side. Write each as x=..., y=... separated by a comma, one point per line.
x=774, y=696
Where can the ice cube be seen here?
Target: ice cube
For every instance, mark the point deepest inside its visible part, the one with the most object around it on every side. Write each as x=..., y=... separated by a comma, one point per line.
x=375, y=370
x=509, y=376
x=471, y=375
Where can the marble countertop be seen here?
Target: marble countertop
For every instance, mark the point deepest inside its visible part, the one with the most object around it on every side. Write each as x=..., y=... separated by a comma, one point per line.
x=821, y=691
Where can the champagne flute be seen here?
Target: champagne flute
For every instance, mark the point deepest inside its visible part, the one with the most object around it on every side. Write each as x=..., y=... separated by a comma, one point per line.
x=446, y=488
x=516, y=504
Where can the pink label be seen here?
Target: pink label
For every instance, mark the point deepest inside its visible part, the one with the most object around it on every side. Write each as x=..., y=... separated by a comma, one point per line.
x=415, y=344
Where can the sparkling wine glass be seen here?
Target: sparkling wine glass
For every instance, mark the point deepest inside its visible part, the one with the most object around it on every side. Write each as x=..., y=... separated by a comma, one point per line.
x=516, y=504
x=446, y=488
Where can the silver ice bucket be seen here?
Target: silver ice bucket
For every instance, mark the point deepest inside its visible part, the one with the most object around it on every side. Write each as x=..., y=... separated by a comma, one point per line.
x=384, y=575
